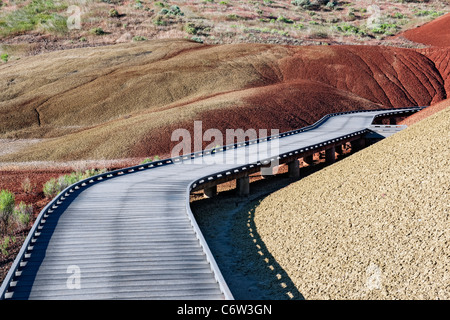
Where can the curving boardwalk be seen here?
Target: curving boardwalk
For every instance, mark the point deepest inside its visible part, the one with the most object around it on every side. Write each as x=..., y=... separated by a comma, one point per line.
x=130, y=234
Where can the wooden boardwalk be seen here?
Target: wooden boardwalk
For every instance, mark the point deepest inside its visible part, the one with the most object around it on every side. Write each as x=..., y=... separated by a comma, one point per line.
x=133, y=236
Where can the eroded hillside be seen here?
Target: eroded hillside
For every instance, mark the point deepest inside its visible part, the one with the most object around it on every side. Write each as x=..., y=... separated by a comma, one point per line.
x=125, y=100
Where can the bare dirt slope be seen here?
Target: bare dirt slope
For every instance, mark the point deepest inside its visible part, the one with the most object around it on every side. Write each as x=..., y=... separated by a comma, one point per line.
x=435, y=33
x=372, y=226
x=440, y=57
x=124, y=101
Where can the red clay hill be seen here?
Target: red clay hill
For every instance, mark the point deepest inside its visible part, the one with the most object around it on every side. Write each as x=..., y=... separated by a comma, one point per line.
x=436, y=35
x=125, y=100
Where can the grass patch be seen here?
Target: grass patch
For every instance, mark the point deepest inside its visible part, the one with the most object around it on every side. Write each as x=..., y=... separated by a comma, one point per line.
x=55, y=185
x=386, y=28
x=426, y=13
x=36, y=15
x=148, y=160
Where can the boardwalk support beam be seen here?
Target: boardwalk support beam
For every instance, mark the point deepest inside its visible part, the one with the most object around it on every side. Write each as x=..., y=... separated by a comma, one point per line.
x=330, y=155
x=294, y=169
x=243, y=186
x=210, y=192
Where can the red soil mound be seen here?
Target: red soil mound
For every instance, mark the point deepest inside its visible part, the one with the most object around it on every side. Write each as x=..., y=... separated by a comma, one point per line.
x=125, y=101
x=283, y=106
x=435, y=33
x=313, y=81
x=441, y=58
x=393, y=77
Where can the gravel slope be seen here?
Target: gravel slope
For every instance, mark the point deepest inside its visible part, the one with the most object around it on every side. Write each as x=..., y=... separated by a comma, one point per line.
x=373, y=226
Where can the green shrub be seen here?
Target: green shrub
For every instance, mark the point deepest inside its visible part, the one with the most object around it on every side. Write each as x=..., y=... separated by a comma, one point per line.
x=399, y=15
x=300, y=3
x=320, y=35
x=4, y=244
x=7, y=202
x=22, y=214
x=159, y=21
x=54, y=186
x=423, y=13
x=197, y=39
x=175, y=10
x=285, y=20
x=331, y=4
x=191, y=28
x=113, y=13
x=386, y=28
x=97, y=31
x=138, y=4
x=4, y=57
x=50, y=188
x=27, y=187
x=233, y=17
x=172, y=11
x=148, y=160
x=139, y=38
x=66, y=180
x=348, y=28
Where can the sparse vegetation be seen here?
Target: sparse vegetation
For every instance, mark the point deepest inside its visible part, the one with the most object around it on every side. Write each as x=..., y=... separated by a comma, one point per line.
x=4, y=244
x=148, y=160
x=113, y=13
x=27, y=186
x=13, y=218
x=51, y=16
x=139, y=38
x=23, y=213
x=55, y=185
x=45, y=15
x=7, y=201
x=97, y=31
x=432, y=13
x=386, y=28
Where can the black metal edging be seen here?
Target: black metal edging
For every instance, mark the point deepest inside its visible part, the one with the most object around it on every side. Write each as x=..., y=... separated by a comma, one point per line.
x=242, y=168
x=265, y=161
x=52, y=205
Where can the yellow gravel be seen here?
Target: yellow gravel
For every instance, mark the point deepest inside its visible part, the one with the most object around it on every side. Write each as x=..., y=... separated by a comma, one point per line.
x=372, y=226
